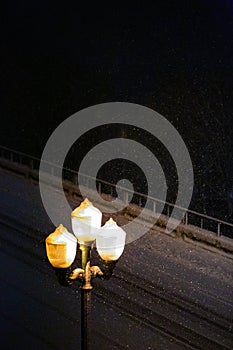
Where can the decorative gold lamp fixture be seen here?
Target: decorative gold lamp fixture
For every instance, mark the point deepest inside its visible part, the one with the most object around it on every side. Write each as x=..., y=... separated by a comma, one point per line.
x=61, y=246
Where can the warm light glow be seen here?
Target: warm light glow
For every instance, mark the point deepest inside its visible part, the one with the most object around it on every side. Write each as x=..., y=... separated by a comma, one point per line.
x=61, y=247
x=110, y=242
x=86, y=222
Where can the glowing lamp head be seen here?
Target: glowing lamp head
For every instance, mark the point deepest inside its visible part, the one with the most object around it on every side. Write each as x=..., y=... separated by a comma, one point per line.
x=110, y=241
x=61, y=247
x=86, y=222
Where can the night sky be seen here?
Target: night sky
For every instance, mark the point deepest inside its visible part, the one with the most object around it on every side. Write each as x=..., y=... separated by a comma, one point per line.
x=172, y=56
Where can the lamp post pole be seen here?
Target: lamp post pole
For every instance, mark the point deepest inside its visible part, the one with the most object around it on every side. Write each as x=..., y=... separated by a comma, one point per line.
x=85, y=297
x=85, y=318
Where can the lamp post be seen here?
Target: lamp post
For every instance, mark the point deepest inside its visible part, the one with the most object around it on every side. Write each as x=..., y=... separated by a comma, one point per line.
x=62, y=247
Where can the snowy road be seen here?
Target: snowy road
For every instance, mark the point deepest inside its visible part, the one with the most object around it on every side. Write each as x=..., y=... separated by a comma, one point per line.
x=165, y=293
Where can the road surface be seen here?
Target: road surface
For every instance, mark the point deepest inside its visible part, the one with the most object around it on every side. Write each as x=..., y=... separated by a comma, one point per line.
x=165, y=293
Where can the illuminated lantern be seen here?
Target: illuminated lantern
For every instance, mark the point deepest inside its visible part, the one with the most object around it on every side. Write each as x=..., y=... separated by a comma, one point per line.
x=86, y=222
x=110, y=241
x=61, y=247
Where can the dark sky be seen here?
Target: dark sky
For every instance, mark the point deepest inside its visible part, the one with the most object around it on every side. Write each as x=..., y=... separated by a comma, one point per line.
x=172, y=56
x=58, y=59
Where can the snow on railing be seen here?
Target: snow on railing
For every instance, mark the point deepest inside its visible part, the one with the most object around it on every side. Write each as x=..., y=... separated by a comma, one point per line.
x=219, y=227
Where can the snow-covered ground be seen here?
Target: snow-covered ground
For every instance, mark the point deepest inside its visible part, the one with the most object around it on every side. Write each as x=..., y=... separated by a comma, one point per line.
x=165, y=293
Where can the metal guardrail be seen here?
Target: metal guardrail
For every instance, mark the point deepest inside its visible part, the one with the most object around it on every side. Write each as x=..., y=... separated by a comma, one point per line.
x=218, y=227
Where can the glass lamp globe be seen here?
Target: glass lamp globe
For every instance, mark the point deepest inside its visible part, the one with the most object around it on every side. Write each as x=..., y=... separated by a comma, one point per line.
x=86, y=222
x=110, y=241
x=61, y=247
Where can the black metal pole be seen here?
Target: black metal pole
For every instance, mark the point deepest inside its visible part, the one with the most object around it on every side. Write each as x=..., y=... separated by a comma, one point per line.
x=85, y=318
x=85, y=297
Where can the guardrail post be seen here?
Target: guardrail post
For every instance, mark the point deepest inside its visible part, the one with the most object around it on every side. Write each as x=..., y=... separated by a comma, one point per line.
x=140, y=201
x=154, y=207
x=75, y=179
x=202, y=222
x=126, y=197
x=186, y=218
x=219, y=229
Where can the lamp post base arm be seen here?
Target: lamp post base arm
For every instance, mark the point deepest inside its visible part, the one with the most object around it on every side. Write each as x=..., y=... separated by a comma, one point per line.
x=96, y=271
x=76, y=273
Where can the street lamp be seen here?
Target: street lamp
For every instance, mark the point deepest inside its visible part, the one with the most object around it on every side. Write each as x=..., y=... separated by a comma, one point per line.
x=62, y=247
x=86, y=222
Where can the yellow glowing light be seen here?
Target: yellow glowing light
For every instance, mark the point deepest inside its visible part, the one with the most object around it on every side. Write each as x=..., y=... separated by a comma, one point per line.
x=61, y=247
